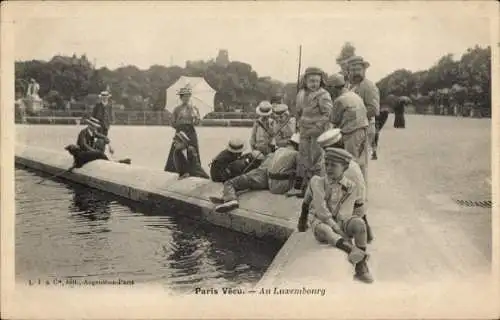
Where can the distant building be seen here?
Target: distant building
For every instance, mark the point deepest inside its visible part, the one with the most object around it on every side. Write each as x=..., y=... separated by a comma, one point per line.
x=222, y=59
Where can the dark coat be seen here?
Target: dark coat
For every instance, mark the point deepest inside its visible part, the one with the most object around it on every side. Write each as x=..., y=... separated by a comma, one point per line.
x=190, y=165
x=105, y=115
x=86, y=141
x=219, y=171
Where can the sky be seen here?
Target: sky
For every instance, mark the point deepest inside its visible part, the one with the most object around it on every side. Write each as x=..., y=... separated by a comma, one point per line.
x=265, y=35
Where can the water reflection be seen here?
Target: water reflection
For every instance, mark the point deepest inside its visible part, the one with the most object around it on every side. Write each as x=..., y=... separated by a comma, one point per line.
x=68, y=230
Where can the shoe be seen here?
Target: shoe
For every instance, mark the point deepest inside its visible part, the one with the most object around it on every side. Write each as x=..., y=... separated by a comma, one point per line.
x=374, y=155
x=227, y=206
x=356, y=256
x=216, y=200
x=293, y=192
x=362, y=272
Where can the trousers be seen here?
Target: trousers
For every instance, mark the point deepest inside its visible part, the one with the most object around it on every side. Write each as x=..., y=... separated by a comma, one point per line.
x=253, y=180
x=355, y=228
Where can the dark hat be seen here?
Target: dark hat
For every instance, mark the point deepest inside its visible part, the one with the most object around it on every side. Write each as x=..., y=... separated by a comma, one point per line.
x=313, y=70
x=358, y=60
x=336, y=80
x=181, y=136
x=235, y=146
x=337, y=155
x=93, y=122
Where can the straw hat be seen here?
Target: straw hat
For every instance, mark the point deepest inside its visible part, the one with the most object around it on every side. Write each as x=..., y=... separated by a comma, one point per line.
x=104, y=94
x=93, y=122
x=184, y=91
x=235, y=146
x=329, y=138
x=264, y=108
x=280, y=109
x=358, y=60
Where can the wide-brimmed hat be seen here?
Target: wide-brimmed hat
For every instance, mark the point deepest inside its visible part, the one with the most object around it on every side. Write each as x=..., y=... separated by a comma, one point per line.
x=184, y=91
x=264, y=108
x=295, y=138
x=235, y=146
x=93, y=122
x=280, y=109
x=313, y=71
x=337, y=155
x=357, y=60
x=105, y=94
x=182, y=136
x=329, y=138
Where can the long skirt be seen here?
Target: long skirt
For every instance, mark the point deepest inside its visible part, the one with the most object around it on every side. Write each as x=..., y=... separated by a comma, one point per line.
x=399, y=120
x=190, y=131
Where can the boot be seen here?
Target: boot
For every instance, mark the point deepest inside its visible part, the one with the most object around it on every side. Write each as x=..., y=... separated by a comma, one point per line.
x=362, y=272
x=354, y=254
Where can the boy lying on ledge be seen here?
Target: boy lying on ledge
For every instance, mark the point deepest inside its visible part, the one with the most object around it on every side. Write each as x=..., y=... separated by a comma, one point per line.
x=81, y=157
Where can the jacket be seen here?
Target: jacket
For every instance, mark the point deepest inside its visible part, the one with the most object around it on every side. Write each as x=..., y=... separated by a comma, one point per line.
x=104, y=113
x=330, y=200
x=370, y=94
x=262, y=136
x=314, y=109
x=86, y=140
x=185, y=114
x=281, y=168
x=349, y=113
x=283, y=131
x=219, y=168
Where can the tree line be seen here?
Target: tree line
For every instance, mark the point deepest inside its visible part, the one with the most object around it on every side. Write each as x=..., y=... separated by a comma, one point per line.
x=238, y=86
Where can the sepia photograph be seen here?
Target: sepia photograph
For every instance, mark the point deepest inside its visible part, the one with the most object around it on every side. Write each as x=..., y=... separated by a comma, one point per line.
x=250, y=159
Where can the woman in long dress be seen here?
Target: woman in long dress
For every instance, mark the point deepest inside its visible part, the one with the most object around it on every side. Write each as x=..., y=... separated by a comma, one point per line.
x=399, y=113
x=184, y=118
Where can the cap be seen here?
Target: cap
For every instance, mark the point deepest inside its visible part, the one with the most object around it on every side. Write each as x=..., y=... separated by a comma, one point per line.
x=337, y=155
x=329, y=138
x=336, y=80
x=313, y=70
x=295, y=138
x=281, y=108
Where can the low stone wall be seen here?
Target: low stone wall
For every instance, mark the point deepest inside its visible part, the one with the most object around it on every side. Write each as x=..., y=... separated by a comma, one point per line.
x=162, y=192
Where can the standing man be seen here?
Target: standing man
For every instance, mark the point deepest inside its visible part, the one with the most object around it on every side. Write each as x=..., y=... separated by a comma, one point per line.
x=103, y=112
x=349, y=115
x=366, y=89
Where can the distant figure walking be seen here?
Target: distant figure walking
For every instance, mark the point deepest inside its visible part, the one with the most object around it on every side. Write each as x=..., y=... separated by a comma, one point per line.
x=103, y=112
x=399, y=113
x=184, y=118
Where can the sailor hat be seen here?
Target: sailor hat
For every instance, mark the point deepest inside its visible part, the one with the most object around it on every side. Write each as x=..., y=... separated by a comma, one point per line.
x=295, y=138
x=182, y=137
x=235, y=146
x=357, y=60
x=329, y=138
x=337, y=155
x=264, y=108
x=280, y=108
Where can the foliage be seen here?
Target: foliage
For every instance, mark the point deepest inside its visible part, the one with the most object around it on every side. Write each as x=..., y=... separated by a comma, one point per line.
x=448, y=81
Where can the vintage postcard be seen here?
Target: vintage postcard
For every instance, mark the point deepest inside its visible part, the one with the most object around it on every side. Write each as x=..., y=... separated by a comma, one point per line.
x=293, y=160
